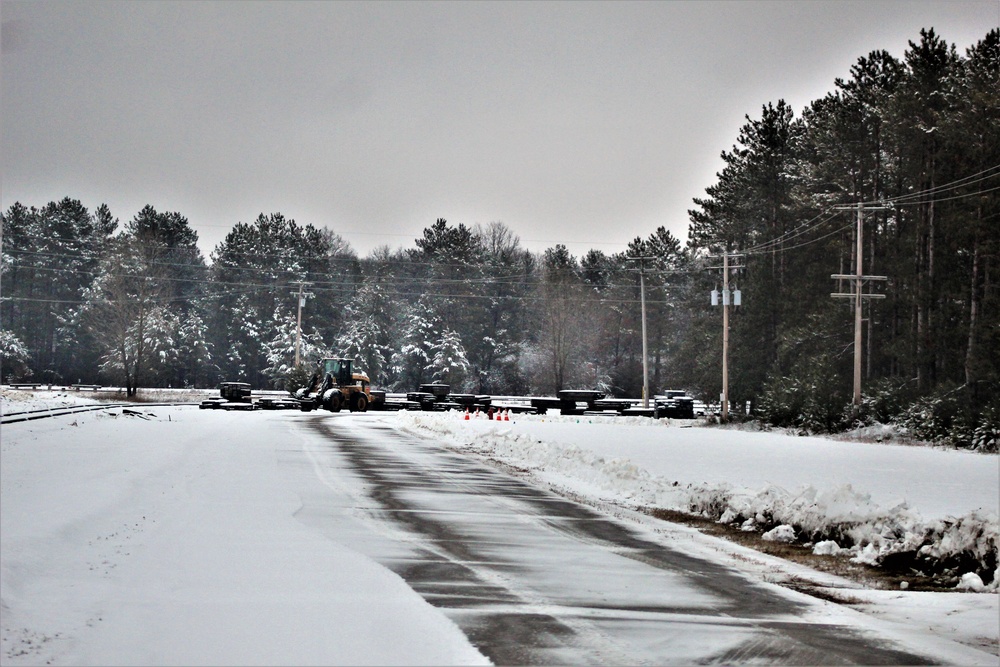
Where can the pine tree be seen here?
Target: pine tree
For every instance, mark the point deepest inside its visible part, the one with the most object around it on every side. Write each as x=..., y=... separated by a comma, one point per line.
x=497, y=311
x=753, y=205
x=13, y=357
x=253, y=270
x=448, y=363
x=280, y=350
x=50, y=255
x=420, y=331
x=362, y=337
x=973, y=130
x=566, y=329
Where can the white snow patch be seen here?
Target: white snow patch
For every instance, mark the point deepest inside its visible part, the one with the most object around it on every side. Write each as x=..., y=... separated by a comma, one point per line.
x=827, y=548
x=970, y=581
x=783, y=533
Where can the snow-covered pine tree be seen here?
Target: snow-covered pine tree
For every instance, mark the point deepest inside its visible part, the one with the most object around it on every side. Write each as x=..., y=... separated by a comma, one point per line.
x=13, y=357
x=253, y=270
x=362, y=337
x=49, y=256
x=498, y=310
x=449, y=363
x=419, y=334
x=280, y=350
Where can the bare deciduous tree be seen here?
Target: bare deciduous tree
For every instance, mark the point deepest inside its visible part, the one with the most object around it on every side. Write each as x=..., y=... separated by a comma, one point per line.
x=126, y=310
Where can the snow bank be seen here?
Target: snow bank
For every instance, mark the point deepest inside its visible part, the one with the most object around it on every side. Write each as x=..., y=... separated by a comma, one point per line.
x=822, y=507
x=16, y=400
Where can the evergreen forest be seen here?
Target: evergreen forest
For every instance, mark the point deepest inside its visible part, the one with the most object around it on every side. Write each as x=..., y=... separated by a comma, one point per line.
x=910, y=144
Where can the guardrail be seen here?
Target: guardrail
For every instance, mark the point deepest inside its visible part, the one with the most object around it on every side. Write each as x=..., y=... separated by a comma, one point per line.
x=44, y=413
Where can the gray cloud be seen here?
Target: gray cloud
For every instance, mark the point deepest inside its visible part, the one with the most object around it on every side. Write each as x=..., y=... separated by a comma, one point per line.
x=581, y=123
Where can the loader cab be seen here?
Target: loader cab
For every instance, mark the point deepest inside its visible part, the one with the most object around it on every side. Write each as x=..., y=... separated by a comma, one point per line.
x=338, y=369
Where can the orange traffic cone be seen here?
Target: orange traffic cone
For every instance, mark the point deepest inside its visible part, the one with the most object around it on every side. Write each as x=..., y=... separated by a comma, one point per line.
x=467, y=414
x=477, y=413
x=506, y=415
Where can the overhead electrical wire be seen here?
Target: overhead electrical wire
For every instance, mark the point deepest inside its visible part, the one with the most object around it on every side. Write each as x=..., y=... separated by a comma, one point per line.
x=985, y=174
x=390, y=294
x=796, y=232
x=910, y=199
x=509, y=279
x=940, y=199
x=402, y=262
x=802, y=245
x=345, y=288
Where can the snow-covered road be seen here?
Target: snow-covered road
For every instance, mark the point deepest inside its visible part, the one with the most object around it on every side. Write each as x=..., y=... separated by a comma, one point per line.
x=533, y=578
x=205, y=537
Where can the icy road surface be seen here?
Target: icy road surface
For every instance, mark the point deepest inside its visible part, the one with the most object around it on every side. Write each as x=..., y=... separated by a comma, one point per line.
x=532, y=578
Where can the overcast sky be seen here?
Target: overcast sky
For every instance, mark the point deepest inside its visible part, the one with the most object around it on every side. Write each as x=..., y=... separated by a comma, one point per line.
x=583, y=123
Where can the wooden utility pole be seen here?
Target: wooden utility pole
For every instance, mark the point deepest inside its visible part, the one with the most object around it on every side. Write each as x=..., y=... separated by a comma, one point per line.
x=298, y=322
x=727, y=297
x=856, y=293
x=645, y=355
x=725, y=337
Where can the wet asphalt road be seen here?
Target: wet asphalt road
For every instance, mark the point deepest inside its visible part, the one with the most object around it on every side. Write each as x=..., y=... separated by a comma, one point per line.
x=533, y=578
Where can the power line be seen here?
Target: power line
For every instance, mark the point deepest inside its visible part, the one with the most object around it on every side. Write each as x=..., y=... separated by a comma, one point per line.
x=929, y=201
x=801, y=229
x=401, y=263
x=966, y=180
x=908, y=199
x=251, y=269
x=802, y=245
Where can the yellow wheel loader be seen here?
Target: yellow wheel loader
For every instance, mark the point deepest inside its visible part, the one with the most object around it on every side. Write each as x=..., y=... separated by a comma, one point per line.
x=335, y=386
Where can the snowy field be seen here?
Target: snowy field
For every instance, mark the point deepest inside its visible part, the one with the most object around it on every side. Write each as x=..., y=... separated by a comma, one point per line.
x=93, y=505
x=131, y=541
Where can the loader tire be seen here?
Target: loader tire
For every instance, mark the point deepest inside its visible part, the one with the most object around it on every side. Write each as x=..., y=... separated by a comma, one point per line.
x=361, y=404
x=334, y=404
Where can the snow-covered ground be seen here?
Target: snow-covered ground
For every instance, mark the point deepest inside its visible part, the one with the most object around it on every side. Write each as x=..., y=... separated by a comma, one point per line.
x=118, y=540
x=91, y=505
x=13, y=400
x=16, y=400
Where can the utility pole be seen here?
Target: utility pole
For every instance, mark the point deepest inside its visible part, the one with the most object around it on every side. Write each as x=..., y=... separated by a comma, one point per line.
x=645, y=356
x=725, y=337
x=736, y=300
x=298, y=323
x=857, y=294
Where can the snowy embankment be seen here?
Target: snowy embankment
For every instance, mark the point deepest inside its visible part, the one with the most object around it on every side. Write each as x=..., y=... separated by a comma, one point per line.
x=14, y=400
x=934, y=510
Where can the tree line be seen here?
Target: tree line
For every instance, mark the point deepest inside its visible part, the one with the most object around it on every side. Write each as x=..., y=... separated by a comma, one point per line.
x=915, y=140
